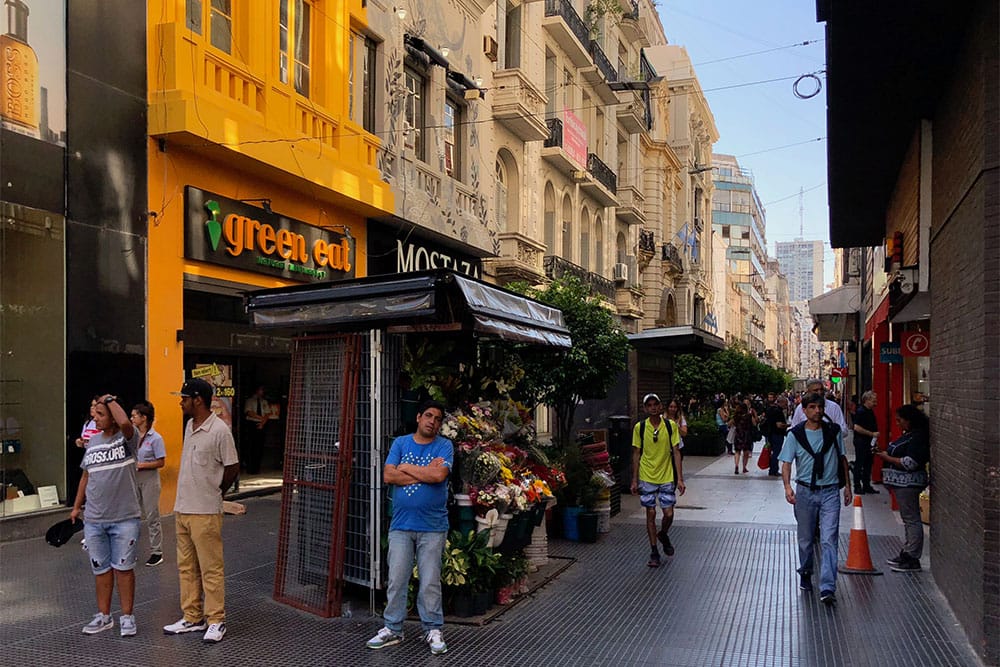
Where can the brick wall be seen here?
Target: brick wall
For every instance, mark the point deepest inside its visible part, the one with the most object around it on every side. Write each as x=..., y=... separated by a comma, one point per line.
x=965, y=291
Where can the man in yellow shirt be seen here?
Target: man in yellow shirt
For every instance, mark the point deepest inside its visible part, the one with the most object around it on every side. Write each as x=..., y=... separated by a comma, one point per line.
x=657, y=472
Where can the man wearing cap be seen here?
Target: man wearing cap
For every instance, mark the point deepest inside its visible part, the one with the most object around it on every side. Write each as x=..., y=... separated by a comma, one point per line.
x=209, y=465
x=657, y=472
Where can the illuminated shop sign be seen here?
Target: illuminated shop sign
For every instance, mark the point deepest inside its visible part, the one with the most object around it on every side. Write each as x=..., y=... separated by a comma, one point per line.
x=405, y=250
x=231, y=233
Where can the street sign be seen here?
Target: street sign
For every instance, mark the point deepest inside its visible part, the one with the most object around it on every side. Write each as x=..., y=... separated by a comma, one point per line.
x=916, y=344
x=889, y=353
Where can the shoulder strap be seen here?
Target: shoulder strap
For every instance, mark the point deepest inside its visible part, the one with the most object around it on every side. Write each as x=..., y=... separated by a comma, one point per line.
x=642, y=435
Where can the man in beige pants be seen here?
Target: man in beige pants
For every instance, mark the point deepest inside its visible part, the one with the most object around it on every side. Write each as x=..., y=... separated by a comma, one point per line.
x=209, y=465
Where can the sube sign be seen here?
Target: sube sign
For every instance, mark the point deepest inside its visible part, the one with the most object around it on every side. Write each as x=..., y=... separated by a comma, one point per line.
x=231, y=233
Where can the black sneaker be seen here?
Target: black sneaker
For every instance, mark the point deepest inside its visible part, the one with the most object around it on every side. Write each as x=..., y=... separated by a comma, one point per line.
x=154, y=560
x=897, y=559
x=871, y=490
x=654, y=559
x=805, y=583
x=828, y=598
x=668, y=548
x=909, y=564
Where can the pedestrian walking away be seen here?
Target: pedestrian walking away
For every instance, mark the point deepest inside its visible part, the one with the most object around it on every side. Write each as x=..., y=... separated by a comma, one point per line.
x=151, y=455
x=657, y=473
x=906, y=474
x=817, y=448
x=418, y=466
x=209, y=465
x=111, y=515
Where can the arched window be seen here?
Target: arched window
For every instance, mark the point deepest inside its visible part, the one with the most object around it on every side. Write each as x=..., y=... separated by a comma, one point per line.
x=567, y=228
x=508, y=192
x=598, y=246
x=500, y=173
x=550, y=219
x=585, y=238
x=621, y=247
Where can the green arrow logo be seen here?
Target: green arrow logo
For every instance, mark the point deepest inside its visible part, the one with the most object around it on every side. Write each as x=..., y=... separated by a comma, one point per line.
x=212, y=224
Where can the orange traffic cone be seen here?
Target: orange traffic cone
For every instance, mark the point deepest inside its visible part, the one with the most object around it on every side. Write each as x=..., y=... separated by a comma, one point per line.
x=859, y=558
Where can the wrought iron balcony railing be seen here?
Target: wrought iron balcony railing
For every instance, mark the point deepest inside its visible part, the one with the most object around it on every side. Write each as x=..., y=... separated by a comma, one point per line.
x=647, y=240
x=557, y=267
x=602, y=172
x=602, y=62
x=634, y=14
x=555, y=133
x=565, y=9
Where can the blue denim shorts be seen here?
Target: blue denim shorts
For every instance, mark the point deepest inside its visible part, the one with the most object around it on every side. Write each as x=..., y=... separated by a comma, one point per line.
x=649, y=492
x=111, y=544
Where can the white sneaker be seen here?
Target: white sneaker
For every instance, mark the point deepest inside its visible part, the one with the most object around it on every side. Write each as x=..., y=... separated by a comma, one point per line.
x=385, y=637
x=99, y=623
x=215, y=632
x=182, y=626
x=436, y=641
x=127, y=625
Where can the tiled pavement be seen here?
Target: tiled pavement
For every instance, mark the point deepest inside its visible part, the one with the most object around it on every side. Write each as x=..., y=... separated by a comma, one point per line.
x=728, y=597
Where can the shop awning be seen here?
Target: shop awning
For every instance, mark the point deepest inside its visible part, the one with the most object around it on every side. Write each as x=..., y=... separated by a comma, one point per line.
x=431, y=300
x=836, y=313
x=917, y=308
x=676, y=339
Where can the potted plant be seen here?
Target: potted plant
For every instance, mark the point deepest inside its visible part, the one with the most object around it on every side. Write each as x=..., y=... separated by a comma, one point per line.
x=473, y=597
x=587, y=519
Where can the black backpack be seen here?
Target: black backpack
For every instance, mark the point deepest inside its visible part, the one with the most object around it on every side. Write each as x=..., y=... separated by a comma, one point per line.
x=830, y=431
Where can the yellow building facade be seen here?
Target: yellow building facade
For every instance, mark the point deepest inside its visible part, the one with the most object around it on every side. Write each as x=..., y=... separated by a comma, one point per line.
x=261, y=174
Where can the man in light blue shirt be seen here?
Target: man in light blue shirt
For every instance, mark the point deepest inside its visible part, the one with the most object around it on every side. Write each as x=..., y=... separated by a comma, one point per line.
x=817, y=449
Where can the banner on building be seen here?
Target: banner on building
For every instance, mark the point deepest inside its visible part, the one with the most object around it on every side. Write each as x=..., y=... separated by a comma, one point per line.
x=890, y=353
x=916, y=344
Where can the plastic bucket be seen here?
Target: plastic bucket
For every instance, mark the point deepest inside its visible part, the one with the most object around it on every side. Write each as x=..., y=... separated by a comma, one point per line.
x=570, y=528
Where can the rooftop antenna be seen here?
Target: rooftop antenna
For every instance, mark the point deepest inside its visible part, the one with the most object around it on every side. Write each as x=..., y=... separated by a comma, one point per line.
x=801, y=213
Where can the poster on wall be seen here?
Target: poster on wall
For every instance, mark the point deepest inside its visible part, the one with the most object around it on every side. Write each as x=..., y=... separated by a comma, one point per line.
x=33, y=47
x=221, y=377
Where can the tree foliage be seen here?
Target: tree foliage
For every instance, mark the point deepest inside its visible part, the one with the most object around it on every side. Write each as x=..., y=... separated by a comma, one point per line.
x=589, y=368
x=733, y=370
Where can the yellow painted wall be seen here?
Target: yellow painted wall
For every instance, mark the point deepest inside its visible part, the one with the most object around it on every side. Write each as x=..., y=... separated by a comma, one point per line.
x=227, y=124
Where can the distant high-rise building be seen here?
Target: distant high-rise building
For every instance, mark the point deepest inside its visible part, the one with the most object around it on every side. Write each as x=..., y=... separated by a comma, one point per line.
x=802, y=263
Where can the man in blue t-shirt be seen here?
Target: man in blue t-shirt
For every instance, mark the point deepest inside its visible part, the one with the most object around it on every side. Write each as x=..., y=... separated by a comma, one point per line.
x=815, y=493
x=418, y=466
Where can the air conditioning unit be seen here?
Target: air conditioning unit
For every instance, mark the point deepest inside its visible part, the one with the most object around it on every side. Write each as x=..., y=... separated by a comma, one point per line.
x=490, y=47
x=619, y=272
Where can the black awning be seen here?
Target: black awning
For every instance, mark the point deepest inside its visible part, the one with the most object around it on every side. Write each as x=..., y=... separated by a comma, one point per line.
x=427, y=298
x=676, y=339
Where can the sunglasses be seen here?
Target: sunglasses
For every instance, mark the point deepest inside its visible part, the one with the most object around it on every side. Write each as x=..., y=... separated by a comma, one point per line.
x=656, y=433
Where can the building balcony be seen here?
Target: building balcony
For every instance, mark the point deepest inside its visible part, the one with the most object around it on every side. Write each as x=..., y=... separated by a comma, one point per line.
x=673, y=264
x=557, y=267
x=631, y=111
x=223, y=109
x=631, y=26
x=554, y=152
x=628, y=302
x=630, y=203
x=602, y=76
x=518, y=104
x=603, y=184
x=568, y=30
x=520, y=259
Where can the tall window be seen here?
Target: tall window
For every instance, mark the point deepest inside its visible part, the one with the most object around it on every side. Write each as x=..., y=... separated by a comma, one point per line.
x=452, y=138
x=220, y=23
x=501, y=189
x=360, y=81
x=550, y=84
x=413, y=111
x=567, y=91
x=512, y=36
x=294, y=21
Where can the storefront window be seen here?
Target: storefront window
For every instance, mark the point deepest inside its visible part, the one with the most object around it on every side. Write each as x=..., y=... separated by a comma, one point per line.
x=33, y=369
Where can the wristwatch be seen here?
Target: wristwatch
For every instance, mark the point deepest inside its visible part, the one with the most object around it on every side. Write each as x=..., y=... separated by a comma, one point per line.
x=110, y=399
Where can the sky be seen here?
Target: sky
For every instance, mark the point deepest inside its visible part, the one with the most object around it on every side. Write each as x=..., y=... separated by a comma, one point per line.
x=757, y=123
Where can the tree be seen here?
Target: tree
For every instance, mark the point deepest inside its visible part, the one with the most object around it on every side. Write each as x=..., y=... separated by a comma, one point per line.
x=733, y=370
x=589, y=368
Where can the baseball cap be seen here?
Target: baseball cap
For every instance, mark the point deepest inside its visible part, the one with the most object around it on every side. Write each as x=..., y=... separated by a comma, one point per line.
x=650, y=397
x=61, y=533
x=197, y=387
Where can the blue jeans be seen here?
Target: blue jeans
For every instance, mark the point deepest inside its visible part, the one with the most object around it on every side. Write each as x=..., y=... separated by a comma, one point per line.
x=111, y=544
x=429, y=548
x=824, y=503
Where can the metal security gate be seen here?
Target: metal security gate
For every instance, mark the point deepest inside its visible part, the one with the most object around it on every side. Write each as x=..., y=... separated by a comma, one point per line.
x=317, y=471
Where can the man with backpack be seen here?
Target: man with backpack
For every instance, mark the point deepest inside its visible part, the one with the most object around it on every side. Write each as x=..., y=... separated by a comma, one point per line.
x=657, y=472
x=817, y=448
